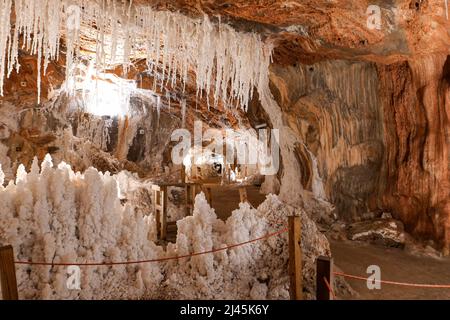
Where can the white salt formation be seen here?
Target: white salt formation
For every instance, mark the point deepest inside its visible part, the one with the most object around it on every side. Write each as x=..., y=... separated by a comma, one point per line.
x=54, y=215
x=227, y=63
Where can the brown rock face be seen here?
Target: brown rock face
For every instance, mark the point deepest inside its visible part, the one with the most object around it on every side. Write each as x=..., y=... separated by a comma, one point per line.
x=333, y=107
x=416, y=108
x=380, y=133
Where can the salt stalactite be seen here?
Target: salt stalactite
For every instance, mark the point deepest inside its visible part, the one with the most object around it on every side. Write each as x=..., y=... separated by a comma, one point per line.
x=183, y=113
x=158, y=107
x=317, y=183
x=5, y=27
x=227, y=64
x=446, y=9
x=168, y=99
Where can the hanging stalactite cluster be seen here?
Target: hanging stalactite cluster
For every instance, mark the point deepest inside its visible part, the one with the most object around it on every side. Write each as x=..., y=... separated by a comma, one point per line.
x=228, y=64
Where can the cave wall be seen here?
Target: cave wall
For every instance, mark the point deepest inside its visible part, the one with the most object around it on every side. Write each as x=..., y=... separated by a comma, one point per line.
x=334, y=109
x=415, y=97
x=379, y=135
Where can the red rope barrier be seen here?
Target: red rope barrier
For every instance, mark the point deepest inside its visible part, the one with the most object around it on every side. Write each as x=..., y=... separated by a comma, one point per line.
x=267, y=236
x=329, y=288
x=418, y=285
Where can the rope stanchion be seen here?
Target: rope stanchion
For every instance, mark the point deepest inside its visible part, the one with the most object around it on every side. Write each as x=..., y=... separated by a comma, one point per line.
x=406, y=284
x=267, y=236
x=295, y=258
x=8, y=278
x=324, y=270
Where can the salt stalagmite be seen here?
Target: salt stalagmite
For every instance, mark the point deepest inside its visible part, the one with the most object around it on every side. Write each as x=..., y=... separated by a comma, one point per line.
x=55, y=215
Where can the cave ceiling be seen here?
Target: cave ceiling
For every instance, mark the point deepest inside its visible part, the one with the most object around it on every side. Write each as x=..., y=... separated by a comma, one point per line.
x=312, y=30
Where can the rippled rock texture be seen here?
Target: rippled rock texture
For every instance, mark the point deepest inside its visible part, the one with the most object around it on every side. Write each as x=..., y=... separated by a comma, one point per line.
x=379, y=133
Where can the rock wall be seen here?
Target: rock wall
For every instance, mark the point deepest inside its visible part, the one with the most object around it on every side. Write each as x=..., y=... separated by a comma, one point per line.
x=334, y=109
x=379, y=134
x=415, y=97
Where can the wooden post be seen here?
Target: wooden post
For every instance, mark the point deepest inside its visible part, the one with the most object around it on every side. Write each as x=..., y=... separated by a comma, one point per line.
x=183, y=174
x=189, y=201
x=160, y=205
x=191, y=191
x=8, y=274
x=157, y=208
x=295, y=258
x=163, y=216
x=196, y=189
x=208, y=195
x=243, y=194
x=324, y=271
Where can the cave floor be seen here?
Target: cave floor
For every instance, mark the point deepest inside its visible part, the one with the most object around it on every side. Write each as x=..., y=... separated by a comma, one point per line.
x=354, y=257
x=396, y=265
